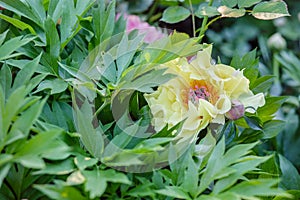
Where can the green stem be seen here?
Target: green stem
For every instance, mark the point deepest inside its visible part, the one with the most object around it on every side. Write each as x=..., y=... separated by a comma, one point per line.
x=105, y=103
x=193, y=18
x=204, y=22
x=152, y=10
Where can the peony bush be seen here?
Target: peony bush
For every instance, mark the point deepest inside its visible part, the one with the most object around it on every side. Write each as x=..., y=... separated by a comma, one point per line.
x=99, y=102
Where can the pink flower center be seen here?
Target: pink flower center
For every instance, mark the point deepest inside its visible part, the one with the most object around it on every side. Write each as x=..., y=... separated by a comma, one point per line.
x=197, y=93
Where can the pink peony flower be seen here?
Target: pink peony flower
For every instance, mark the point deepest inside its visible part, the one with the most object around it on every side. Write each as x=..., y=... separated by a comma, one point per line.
x=134, y=22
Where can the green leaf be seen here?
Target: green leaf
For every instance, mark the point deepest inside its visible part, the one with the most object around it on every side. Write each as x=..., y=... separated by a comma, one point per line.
x=22, y=8
x=58, y=150
x=3, y=36
x=18, y=23
x=141, y=190
x=213, y=166
x=60, y=192
x=204, y=148
x=125, y=52
x=55, y=86
x=262, y=84
x=95, y=184
x=90, y=136
x=208, y=11
x=191, y=178
x=102, y=18
x=247, y=3
x=248, y=63
x=30, y=153
x=271, y=106
x=246, y=164
x=219, y=165
x=270, y=10
x=38, y=8
x=259, y=187
x=24, y=123
x=24, y=75
x=295, y=194
x=57, y=168
x=231, y=12
x=147, y=81
x=175, y=14
x=4, y=170
x=173, y=191
x=12, y=45
x=290, y=176
x=83, y=162
x=290, y=63
x=272, y=128
x=55, y=9
x=229, y=3
x=13, y=104
x=69, y=22
x=5, y=79
x=113, y=176
x=52, y=38
x=139, y=6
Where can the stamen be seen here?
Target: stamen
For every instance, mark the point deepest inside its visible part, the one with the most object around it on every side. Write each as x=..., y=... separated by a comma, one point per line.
x=197, y=93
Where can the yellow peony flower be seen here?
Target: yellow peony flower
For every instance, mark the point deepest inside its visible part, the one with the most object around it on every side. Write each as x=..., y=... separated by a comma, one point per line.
x=202, y=93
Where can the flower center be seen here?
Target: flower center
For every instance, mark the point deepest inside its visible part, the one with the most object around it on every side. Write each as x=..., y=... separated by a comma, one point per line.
x=198, y=92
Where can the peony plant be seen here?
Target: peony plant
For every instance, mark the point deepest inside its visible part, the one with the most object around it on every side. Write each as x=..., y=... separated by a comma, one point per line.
x=99, y=106
x=202, y=93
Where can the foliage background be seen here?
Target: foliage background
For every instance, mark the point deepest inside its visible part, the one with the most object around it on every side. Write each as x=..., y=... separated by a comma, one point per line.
x=44, y=154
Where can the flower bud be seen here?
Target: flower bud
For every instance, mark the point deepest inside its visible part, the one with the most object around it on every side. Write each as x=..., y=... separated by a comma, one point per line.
x=237, y=110
x=276, y=41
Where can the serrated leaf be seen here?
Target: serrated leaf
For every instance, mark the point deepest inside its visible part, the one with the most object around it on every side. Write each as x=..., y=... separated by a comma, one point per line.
x=270, y=10
x=247, y=3
x=231, y=12
x=175, y=14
